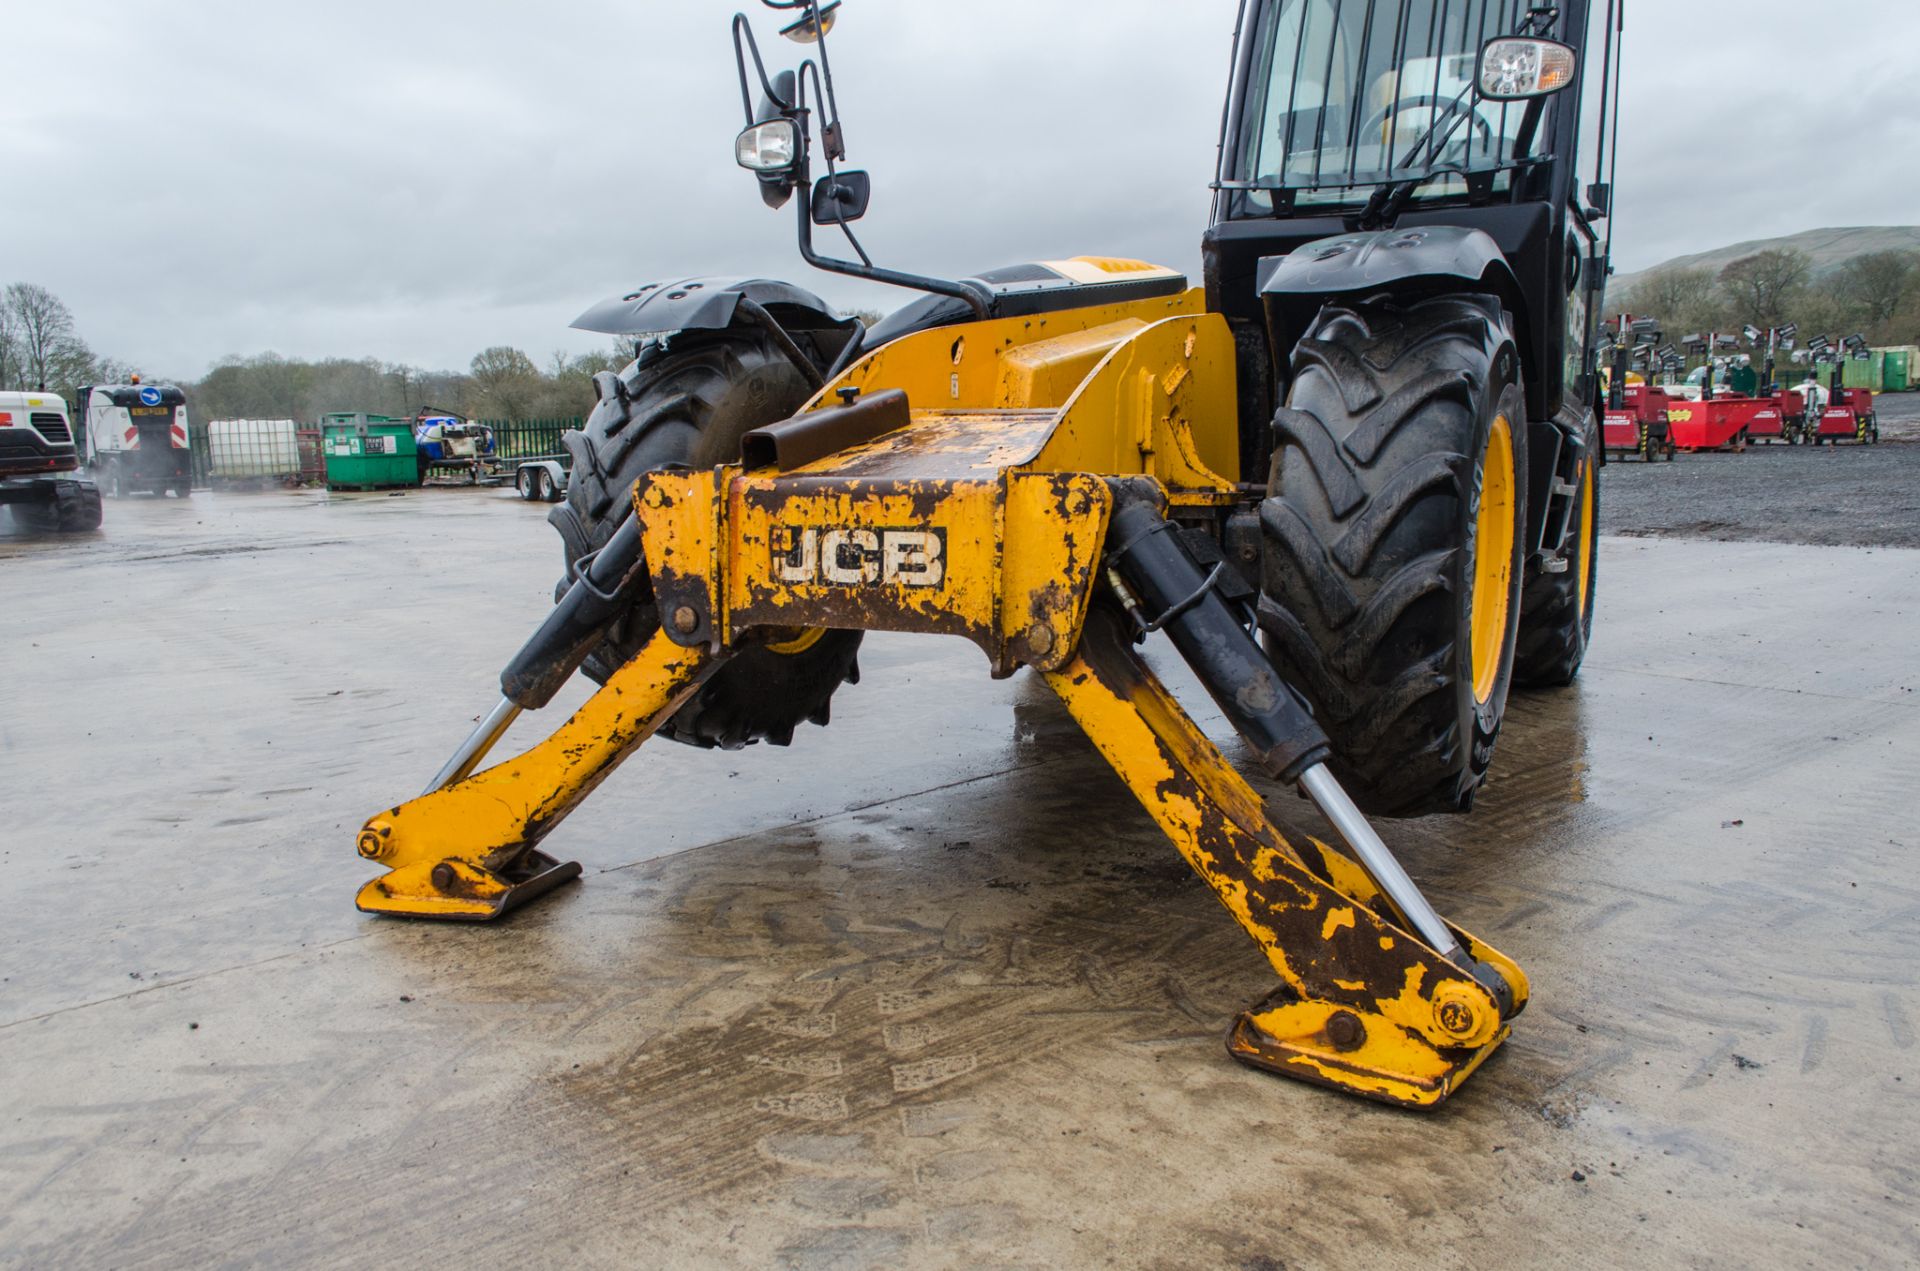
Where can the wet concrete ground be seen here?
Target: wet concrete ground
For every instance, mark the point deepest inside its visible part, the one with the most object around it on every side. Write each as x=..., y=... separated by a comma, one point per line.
x=931, y=991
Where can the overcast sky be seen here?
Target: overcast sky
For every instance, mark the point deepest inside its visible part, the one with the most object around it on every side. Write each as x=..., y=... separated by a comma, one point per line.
x=414, y=180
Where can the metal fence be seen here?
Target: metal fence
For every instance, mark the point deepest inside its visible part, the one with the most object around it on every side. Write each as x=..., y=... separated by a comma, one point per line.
x=528, y=438
x=267, y=450
x=201, y=448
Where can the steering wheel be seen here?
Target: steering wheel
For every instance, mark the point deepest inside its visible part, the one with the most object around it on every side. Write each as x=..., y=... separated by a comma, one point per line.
x=1443, y=111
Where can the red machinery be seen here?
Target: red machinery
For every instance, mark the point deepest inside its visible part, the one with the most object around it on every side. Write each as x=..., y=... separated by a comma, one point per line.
x=1718, y=423
x=1781, y=417
x=1639, y=425
x=1849, y=415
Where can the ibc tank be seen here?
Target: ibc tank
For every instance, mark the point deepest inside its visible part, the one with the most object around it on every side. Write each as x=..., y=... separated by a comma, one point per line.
x=253, y=448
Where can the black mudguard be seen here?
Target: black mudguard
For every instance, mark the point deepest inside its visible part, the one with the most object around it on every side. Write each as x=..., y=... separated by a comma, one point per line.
x=707, y=304
x=1421, y=261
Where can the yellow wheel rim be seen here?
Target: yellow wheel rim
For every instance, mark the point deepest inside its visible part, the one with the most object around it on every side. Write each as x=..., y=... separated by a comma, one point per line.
x=807, y=638
x=1492, y=559
x=1585, y=576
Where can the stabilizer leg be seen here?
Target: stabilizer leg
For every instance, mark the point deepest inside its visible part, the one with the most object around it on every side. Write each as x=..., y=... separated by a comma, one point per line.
x=467, y=851
x=1364, y=1005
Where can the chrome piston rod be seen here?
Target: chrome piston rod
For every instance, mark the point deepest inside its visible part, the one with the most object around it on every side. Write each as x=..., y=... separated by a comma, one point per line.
x=1379, y=861
x=476, y=746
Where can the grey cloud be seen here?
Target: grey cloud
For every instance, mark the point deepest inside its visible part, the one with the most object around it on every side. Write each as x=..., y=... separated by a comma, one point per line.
x=417, y=180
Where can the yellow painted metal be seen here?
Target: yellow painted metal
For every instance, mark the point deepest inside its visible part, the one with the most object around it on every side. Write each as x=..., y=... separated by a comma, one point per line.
x=798, y=643
x=1492, y=559
x=1163, y=405
x=1363, y=1005
x=985, y=517
x=1107, y=265
x=1589, y=490
x=1003, y=557
x=1127, y=378
x=475, y=833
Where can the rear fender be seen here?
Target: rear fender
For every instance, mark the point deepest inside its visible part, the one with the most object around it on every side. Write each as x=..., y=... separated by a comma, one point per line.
x=707, y=304
x=805, y=326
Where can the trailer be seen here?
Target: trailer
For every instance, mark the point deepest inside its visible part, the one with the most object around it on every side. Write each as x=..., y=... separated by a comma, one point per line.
x=137, y=438
x=40, y=483
x=542, y=478
x=1640, y=425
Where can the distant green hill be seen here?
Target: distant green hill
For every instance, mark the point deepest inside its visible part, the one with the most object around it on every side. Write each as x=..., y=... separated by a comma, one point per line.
x=1827, y=248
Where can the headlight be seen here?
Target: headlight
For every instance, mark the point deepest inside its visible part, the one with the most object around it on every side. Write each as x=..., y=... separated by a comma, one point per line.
x=1514, y=68
x=768, y=147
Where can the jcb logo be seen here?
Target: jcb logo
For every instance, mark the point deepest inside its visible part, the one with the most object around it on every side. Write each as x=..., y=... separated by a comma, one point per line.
x=884, y=555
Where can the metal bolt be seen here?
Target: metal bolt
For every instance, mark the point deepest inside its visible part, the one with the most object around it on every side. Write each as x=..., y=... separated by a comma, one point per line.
x=1345, y=1031
x=1249, y=552
x=685, y=620
x=1040, y=638
x=444, y=878
x=1454, y=1011
x=372, y=842
x=848, y=394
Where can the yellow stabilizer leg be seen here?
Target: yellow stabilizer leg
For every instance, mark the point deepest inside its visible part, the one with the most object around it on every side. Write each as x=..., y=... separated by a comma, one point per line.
x=1363, y=1005
x=468, y=851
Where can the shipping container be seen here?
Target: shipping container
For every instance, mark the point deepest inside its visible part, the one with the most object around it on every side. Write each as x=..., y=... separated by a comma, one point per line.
x=1862, y=372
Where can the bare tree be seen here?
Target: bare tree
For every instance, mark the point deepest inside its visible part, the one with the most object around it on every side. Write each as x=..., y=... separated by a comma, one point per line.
x=10, y=359
x=406, y=382
x=505, y=382
x=43, y=330
x=1677, y=297
x=1873, y=286
x=1764, y=285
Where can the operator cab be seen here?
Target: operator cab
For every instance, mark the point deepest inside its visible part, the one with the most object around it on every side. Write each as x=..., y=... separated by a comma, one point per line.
x=1494, y=116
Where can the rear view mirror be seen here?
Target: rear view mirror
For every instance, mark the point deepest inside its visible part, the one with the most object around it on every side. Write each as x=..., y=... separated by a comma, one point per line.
x=841, y=196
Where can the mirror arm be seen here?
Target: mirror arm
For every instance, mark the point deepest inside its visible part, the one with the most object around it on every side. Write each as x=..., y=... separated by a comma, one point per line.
x=977, y=297
x=743, y=44
x=830, y=132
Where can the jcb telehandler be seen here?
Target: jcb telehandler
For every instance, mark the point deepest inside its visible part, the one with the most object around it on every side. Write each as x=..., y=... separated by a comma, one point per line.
x=1352, y=479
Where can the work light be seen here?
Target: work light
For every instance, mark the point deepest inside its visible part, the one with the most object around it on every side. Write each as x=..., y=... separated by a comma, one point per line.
x=768, y=147
x=807, y=31
x=1512, y=68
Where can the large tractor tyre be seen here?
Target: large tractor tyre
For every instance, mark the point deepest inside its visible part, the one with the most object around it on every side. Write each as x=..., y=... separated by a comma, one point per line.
x=691, y=407
x=1392, y=535
x=1556, y=609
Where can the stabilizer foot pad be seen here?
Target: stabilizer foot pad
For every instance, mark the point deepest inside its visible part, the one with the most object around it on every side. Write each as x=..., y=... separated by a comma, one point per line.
x=457, y=891
x=1357, y=1051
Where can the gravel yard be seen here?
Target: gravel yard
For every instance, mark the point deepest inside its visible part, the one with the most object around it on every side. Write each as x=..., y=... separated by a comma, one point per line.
x=1846, y=495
